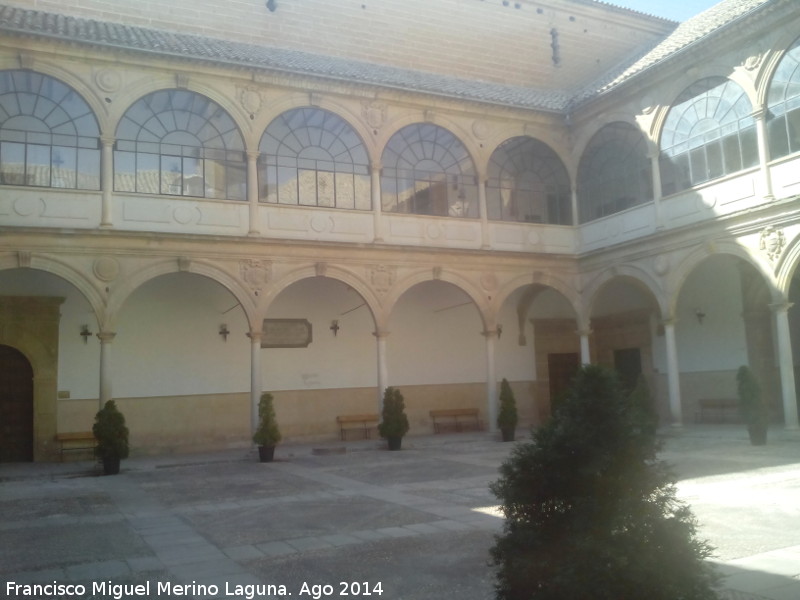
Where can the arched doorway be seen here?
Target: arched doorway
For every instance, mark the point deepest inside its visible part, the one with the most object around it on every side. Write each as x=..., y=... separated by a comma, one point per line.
x=16, y=406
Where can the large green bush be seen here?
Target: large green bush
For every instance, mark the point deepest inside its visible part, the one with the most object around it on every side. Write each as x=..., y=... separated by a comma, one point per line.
x=591, y=514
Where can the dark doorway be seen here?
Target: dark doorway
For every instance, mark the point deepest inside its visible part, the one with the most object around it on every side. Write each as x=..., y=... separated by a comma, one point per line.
x=628, y=363
x=16, y=406
x=561, y=368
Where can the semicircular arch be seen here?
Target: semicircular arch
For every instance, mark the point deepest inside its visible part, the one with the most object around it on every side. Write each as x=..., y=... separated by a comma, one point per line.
x=167, y=267
x=90, y=292
x=331, y=272
x=684, y=269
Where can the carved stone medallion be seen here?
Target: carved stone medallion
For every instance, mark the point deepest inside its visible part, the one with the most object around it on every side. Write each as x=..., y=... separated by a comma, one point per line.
x=381, y=278
x=772, y=242
x=255, y=273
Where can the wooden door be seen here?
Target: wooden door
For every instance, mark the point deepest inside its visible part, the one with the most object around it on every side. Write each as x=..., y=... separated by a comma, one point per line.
x=16, y=406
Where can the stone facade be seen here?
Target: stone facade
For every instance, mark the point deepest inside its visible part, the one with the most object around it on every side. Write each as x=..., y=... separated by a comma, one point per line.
x=441, y=287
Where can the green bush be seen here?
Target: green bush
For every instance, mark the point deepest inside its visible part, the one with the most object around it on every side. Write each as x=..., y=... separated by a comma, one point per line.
x=507, y=415
x=110, y=432
x=267, y=433
x=394, y=421
x=591, y=513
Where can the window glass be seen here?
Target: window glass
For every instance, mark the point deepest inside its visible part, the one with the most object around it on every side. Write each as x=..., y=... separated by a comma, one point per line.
x=783, y=100
x=706, y=134
x=614, y=172
x=429, y=172
x=165, y=138
x=43, y=122
x=319, y=158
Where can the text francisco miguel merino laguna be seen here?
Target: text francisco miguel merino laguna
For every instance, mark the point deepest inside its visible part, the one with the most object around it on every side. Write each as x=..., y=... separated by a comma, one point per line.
x=149, y=589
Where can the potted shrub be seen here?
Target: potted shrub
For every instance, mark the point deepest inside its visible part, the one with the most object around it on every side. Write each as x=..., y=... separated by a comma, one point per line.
x=394, y=423
x=751, y=405
x=267, y=434
x=507, y=416
x=112, y=437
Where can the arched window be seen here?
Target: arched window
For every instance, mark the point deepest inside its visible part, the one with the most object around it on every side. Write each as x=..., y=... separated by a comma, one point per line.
x=614, y=172
x=783, y=101
x=709, y=132
x=428, y=171
x=312, y=157
x=528, y=182
x=49, y=136
x=179, y=143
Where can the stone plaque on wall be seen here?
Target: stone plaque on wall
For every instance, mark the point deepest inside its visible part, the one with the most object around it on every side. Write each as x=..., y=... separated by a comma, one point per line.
x=286, y=333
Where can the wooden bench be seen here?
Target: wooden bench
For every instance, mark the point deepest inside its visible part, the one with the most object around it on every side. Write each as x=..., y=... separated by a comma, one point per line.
x=366, y=423
x=75, y=441
x=455, y=419
x=717, y=410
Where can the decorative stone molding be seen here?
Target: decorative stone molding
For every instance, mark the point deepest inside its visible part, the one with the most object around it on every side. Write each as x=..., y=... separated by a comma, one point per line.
x=489, y=282
x=374, y=113
x=321, y=269
x=108, y=80
x=182, y=80
x=751, y=63
x=24, y=259
x=26, y=60
x=661, y=265
x=429, y=116
x=184, y=263
x=480, y=129
x=382, y=278
x=106, y=268
x=250, y=99
x=314, y=99
x=647, y=105
x=437, y=272
x=255, y=273
x=772, y=242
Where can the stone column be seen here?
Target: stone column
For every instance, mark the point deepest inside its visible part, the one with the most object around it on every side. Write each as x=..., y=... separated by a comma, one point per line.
x=586, y=358
x=786, y=364
x=763, y=154
x=655, y=167
x=106, y=180
x=105, y=337
x=383, y=369
x=255, y=377
x=574, y=201
x=483, y=210
x=491, y=379
x=252, y=192
x=673, y=374
x=377, y=208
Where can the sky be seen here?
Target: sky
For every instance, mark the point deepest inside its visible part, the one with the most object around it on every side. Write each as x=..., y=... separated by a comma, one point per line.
x=676, y=10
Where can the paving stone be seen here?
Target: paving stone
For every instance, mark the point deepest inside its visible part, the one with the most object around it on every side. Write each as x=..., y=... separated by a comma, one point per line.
x=276, y=548
x=243, y=552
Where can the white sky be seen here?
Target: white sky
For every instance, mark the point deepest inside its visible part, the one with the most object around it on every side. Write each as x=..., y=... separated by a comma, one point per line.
x=676, y=10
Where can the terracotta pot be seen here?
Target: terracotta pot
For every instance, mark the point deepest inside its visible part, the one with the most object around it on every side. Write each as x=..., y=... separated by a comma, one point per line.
x=266, y=453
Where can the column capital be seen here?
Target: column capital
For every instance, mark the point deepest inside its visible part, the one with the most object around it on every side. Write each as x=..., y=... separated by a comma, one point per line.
x=107, y=140
x=492, y=333
x=584, y=332
x=106, y=337
x=669, y=321
x=255, y=336
x=781, y=307
x=252, y=154
x=381, y=333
